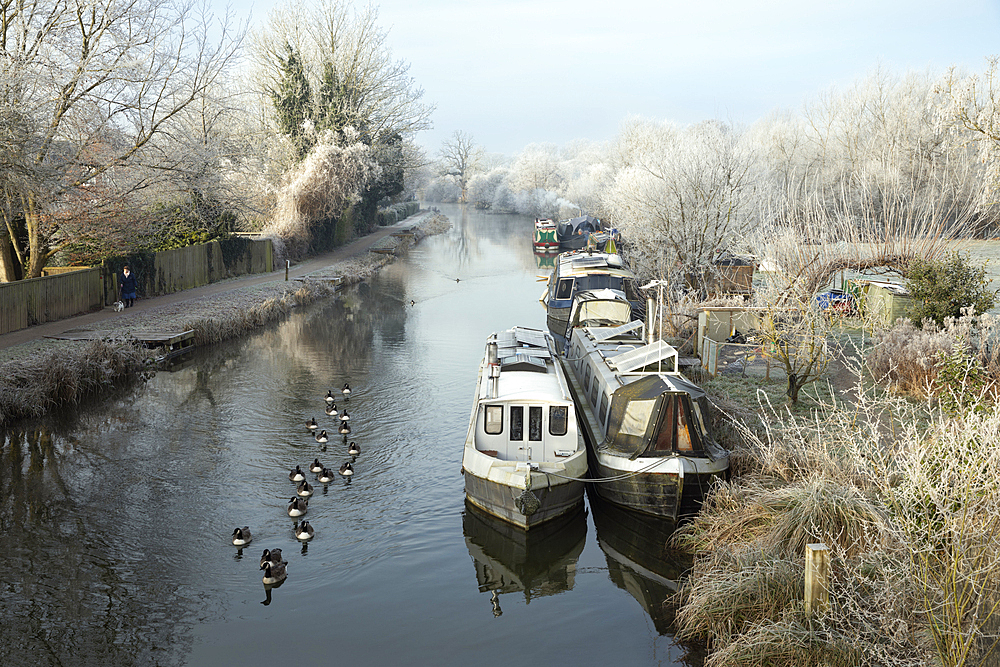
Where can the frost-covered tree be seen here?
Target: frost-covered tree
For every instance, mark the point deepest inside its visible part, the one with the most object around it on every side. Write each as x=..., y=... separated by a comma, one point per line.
x=680, y=196
x=460, y=159
x=92, y=95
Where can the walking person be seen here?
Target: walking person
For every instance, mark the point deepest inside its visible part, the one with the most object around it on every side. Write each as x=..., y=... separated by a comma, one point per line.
x=127, y=286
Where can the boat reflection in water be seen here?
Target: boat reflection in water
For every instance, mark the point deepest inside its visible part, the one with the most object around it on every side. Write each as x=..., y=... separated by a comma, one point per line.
x=539, y=562
x=545, y=259
x=639, y=562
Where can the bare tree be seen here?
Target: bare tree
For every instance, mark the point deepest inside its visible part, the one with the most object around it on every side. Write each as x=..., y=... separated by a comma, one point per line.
x=98, y=88
x=460, y=158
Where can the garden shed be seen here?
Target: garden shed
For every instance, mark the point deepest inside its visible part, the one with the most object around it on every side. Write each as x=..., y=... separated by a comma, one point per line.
x=881, y=300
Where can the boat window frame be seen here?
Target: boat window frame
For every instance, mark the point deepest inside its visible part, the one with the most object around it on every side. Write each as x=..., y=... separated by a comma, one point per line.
x=564, y=419
x=517, y=429
x=593, y=393
x=532, y=411
x=487, y=421
x=562, y=291
x=604, y=412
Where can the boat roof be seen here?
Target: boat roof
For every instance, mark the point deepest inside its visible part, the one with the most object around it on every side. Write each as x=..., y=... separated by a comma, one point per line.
x=585, y=262
x=527, y=368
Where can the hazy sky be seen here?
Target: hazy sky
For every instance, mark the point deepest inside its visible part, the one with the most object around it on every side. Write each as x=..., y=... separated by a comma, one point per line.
x=514, y=72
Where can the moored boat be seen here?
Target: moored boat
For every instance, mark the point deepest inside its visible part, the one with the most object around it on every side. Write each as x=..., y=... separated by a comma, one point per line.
x=587, y=271
x=524, y=453
x=573, y=234
x=648, y=441
x=545, y=236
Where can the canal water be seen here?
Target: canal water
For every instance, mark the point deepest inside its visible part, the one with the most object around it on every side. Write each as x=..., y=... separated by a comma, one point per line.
x=116, y=521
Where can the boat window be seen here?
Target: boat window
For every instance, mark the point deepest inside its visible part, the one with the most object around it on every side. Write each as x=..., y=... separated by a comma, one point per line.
x=565, y=288
x=630, y=291
x=699, y=420
x=665, y=438
x=494, y=419
x=558, y=419
x=534, y=423
x=516, y=422
x=586, y=379
x=603, y=412
x=593, y=394
x=684, y=443
x=636, y=417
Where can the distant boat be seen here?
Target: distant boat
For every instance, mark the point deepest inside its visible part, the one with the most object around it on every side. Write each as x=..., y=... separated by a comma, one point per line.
x=524, y=453
x=545, y=238
x=587, y=271
x=646, y=425
x=574, y=233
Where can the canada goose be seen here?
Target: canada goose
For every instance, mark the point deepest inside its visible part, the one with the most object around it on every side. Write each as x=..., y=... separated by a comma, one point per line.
x=412, y=302
x=325, y=477
x=270, y=556
x=331, y=409
x=330, y=397
x=346, y=391
x=347, y=469
x=458, y=280
x=311, y=424
x=344, y=428
x=242, y=536
x=304, y=531
x=296, y=475
x=274, y=573
x=322, y=437
x=344, y=417
x=304, y=489
x=298, y=506
x=316, y=466
x=353, y=449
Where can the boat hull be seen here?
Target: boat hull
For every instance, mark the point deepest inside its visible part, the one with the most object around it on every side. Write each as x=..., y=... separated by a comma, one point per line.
x=500, y=500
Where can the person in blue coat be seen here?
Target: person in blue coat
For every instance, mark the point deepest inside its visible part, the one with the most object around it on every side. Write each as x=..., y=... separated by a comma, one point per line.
x=127, y=285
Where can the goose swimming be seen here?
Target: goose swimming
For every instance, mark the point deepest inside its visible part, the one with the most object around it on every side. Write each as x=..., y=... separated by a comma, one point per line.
x=325, y=477
x=298, y=507
x=304, y=531
x=274, y=573
x=330, y=397
x=296, y=475
x=311, y=424
x=346, y=391
x=322, y=437
x=242, y=536
x=347, y=469
x=304, y=489
x=316, y=466
x=270, y=556
x=353, y=449
x=331, y=409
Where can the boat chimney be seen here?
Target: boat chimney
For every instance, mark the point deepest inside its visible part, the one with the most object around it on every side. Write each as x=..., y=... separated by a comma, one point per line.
x=493, y=360
x=649, y=320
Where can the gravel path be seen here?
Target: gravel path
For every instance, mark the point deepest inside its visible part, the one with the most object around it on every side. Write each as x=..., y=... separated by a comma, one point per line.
x=183, y=310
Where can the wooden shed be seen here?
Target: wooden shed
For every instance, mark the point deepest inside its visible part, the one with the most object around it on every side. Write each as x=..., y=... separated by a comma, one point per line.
x=880, y=300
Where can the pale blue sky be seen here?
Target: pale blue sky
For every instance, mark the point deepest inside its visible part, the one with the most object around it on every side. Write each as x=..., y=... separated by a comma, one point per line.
x=514, y=72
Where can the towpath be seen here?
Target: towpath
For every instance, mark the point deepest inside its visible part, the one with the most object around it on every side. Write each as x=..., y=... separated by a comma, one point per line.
x=298, y=270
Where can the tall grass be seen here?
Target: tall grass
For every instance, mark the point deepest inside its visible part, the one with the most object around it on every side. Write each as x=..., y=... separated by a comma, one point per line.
x=67, y=375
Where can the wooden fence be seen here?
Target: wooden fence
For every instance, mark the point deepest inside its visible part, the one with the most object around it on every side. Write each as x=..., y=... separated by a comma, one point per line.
x=38, y=300
x=29, y=302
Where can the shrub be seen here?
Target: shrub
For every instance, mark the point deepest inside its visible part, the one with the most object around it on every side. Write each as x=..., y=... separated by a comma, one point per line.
x=945, y=288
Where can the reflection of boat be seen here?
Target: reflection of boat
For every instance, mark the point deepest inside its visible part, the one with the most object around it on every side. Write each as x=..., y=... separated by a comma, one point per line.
x=638, y=560
x=585, y=271
x=545, y=236
x=574, y=233
x=645, y=424
x=545, y=259
x=538, y=562
x=524, y=453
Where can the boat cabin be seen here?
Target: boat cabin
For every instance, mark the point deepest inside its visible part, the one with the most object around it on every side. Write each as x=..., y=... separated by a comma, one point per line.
x=642, y=405
x=525, y=410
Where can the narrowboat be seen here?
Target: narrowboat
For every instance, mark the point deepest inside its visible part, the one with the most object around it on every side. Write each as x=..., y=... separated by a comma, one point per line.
x=586, y=271
x=573, y=234
x=545, y=239
x=524, y=458
x=646, y=426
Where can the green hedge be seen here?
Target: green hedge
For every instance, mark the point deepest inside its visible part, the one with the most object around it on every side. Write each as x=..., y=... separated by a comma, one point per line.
x=397, y=212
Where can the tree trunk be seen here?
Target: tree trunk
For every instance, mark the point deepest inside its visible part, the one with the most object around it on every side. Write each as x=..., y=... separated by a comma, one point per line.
x=8, y=265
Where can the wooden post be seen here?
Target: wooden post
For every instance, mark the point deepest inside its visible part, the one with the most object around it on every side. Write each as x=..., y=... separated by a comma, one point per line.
x=817, y=578
x=288, y=263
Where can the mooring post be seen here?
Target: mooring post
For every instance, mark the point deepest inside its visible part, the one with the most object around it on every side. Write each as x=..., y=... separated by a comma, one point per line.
x=817, y=578
x=288, y=263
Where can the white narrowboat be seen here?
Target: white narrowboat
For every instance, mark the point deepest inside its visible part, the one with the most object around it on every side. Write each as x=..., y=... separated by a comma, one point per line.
x=524, y=454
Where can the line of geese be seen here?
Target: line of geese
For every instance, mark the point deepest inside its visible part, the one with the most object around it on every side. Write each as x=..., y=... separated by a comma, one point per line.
x=275, y=569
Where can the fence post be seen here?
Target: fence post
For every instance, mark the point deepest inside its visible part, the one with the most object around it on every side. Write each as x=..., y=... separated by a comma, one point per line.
x=288, y=263
x=817, y=595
